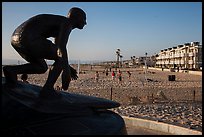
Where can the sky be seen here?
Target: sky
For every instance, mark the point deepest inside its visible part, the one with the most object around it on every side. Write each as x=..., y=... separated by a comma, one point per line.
x=135, y=28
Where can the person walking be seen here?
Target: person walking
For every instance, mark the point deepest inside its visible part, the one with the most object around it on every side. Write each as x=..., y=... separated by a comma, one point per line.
x=24, y=78
x=113, y=75
x=97, y=76
x=106, y=72
x=119, y=76
x=129, y=74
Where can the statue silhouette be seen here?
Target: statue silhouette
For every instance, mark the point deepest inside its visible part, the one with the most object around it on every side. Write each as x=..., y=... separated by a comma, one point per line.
x=30, y=41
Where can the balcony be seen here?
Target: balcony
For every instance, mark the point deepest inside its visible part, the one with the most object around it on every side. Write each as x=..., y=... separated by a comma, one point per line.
x=191, y=54
x=171, y=56
x=166, y=62
x=182, y=55
x=159, y=57
x=177, y=62
x=182, y=62
x=190, y=62
x=177, y=55
x=171, y=62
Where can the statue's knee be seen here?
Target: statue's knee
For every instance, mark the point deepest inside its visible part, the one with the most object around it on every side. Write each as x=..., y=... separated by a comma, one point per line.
x=44, y=68
x=59, y=61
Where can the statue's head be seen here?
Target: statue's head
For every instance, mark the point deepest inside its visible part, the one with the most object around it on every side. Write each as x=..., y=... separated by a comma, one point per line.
x=78, y=16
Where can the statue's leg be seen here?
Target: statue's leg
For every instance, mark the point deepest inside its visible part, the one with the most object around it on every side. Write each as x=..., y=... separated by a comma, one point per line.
x=37, y=67
x=32, y=55
x=49, y=51
x=54, y=72
x=10, y=72
x=73, y=73
x=53, y=75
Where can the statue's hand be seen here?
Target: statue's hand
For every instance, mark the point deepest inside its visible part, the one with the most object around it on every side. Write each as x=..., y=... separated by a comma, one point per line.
x=73, y=73
x=66, y=78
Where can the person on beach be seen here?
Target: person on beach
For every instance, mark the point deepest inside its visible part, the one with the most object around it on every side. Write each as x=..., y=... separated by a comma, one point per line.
x=113, y=75
x=24, y=78
x=30, y=41
x=119, y=76
x=58, y=88
x=129, y=74
x=177, y=69
x=97, y=76
x=106, y=72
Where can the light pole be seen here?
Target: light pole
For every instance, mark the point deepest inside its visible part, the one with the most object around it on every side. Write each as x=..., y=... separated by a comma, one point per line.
x=121, y=62
x=118, y=55
x=146, y=66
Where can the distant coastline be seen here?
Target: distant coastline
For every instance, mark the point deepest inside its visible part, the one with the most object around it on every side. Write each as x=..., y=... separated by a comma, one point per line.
x=49, y=62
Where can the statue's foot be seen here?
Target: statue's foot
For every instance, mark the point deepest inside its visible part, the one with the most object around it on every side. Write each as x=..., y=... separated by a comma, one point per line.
x=46, y=93
x=10, y=76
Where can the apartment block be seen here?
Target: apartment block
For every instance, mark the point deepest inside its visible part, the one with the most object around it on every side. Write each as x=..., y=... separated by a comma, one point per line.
x=186, y=56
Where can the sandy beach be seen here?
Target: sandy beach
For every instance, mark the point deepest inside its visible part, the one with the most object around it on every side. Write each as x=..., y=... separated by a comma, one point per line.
x=151, y=96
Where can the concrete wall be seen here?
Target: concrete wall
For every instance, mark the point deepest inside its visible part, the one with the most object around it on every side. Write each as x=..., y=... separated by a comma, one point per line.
x=181, y=71
x=159, y=126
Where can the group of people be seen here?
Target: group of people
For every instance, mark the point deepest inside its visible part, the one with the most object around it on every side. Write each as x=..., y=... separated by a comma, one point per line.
x=113, y=75
x=119, y=75
x=24, y=77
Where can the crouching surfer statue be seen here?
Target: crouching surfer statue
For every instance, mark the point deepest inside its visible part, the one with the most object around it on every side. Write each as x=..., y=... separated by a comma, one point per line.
x=30, y=41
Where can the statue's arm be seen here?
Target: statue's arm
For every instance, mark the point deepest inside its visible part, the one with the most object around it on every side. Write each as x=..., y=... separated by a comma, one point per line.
x=61, y=42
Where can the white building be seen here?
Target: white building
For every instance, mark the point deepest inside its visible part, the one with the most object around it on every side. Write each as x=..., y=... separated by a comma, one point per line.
x=187, y=56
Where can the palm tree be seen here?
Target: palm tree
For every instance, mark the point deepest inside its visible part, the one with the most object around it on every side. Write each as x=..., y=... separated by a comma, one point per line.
x=133, y=60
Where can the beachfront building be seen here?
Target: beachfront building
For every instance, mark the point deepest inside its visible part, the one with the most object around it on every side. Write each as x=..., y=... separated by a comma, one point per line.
x=140, y=61
x=187, y=56
x=148, y=59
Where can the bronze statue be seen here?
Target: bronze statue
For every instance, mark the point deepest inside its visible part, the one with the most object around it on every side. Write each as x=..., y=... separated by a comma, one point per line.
x=30, y=41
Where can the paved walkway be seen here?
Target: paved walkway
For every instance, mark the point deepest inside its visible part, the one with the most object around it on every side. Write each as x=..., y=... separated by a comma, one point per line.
x=134, y=130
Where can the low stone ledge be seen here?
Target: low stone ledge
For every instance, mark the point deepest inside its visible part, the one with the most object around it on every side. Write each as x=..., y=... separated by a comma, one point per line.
x=159, y=126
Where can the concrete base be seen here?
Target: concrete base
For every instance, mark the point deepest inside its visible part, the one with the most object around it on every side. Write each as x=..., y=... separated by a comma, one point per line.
x=159, y=126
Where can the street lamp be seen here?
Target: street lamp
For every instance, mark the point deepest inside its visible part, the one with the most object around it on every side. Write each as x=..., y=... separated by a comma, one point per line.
x=118, y=55
x=146, y=66
x=121, y=60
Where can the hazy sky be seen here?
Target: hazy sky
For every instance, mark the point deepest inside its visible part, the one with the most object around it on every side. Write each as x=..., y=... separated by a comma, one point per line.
x=133, y=27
